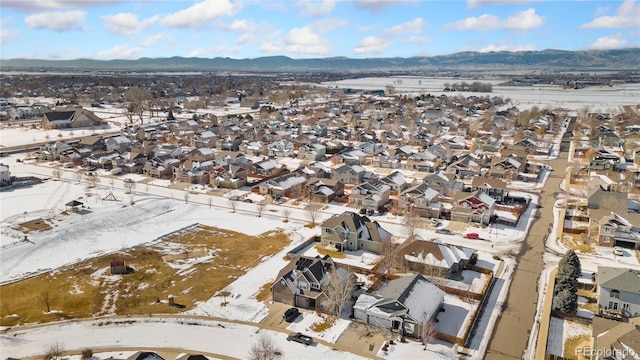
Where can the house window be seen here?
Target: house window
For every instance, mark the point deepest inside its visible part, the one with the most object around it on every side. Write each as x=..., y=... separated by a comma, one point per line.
x=328, y=231
x=302, y=285
x=607, y=230
x=614, y=294
x=625, y=307
x=613, y=306
x=315, y=286
x=606, y=239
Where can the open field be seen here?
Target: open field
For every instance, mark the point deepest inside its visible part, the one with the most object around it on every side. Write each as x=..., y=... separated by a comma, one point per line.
x=192, y=265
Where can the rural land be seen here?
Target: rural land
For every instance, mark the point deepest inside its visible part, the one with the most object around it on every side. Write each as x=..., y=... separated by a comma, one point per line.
x=442, y=208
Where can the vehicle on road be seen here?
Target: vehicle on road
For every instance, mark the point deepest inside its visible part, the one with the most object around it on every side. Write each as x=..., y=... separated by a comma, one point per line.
x=291, y=314
x=471, y=235
x=444, y=232
x=617, y=250
x=301, y=338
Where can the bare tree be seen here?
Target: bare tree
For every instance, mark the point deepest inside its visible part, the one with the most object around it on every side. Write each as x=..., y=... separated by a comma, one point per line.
x=92, y=179
x=312, y=211
x=46, y=299
x=261, y=208
x=411, y=223
x=286, y=212
x=388, y=253
x=78, y=177
x=427, y=330
x=111, y=182
x=265, y=349
x=57, y=173
x=138, y=99
x=210, y=201
x=186, y=197
x=340, y=288
x=233, y=203
x=129, y=185
x=54, y=352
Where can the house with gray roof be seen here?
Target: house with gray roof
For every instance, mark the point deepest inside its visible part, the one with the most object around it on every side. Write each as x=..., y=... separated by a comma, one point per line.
x=405, y=305
x=350, y=231
x=618, y=291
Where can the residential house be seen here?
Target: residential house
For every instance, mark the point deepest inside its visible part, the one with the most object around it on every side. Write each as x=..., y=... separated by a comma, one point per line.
x=281, y=148
x=267, y=168
x=93, y=143
x=350, y=231
x=302, y=283
x=496, y=188
x=617, y=230
x=372, y=195
x=433, y=258
x=312, y=152
x=5, y=175
x=70, y=118
x=396, y=182
x=473, y=207
x=618, y=291
x=611, y=339
x=323, y=190
x=420, y=200
x=228, y=176
x=444, y=182
x=120, y=144
x=349, y=174
x=289, y=185
x=406, y=305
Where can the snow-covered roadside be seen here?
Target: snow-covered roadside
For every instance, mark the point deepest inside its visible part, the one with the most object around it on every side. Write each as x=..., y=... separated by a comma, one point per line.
x=229, y=339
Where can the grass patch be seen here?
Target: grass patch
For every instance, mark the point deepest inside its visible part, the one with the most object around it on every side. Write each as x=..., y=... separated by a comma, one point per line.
x=265, y=293
x=587, y=293
x=33, y=225
x=571, y=344
x=191, y=266
x=321, y=326
x=333, y=254
x=576, y=243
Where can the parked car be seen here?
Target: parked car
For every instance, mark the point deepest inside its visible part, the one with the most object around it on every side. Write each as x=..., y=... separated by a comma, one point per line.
x=363, y=211
x=444, y=232
x=471, y=235
x=291, y=314
x=617, y=250
x=301, y=338
x=435, y=223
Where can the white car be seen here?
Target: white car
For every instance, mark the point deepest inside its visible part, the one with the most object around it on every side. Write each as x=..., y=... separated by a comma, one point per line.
x=617, y=250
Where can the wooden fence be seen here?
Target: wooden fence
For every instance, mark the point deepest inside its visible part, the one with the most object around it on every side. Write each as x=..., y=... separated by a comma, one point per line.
x=570, y=317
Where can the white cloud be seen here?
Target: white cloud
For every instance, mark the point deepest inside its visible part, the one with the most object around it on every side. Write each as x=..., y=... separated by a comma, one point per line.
x=376, y=6
x=201, y=13
x=120, y=52
x=316, y=8
x=127, y=23
x=199, y=52
x=482, y=22
x=326, y=25
x=507, y=47
x=419, y=39
x=628, y=15
x=413, y=26
x=474, y=4
x=244, y=39
x=7, y=35
x=56, y=20
x=302, y=40
x=524, y=20
x=371, y=45
x=33, y=6
x=614, y=41
x=152, y=39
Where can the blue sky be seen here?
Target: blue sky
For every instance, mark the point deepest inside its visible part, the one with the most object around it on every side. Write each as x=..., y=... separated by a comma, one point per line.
x=130, y=29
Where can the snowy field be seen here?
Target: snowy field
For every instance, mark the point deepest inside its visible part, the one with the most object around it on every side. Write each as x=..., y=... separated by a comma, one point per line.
x=597, y=98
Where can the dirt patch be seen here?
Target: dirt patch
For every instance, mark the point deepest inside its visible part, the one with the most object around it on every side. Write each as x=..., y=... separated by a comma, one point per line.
x=33, y=225
x=576, y=243
x=570, y=346
x=191, y=266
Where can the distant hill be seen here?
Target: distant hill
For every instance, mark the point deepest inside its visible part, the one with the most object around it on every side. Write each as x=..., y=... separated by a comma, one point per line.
x=547, y=60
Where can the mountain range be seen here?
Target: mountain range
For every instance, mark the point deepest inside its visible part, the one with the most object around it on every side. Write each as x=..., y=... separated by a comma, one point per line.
x=545, y=60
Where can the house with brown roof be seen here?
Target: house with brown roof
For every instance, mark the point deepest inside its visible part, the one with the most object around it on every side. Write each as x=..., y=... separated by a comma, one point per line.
x=350, y=231
x=612, y=339
x=70, y=118
x=495, y=188
x=323, y=190
x=434, y=258
x=473, y=207
x=420, y=200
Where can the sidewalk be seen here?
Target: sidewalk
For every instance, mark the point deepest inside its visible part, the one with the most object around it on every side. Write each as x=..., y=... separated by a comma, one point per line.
x=545, y=317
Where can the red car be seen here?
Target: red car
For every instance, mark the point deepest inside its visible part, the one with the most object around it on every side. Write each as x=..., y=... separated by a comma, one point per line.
x=471, y=235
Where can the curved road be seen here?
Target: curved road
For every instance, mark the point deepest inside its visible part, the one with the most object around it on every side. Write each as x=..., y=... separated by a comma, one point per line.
x=511, y=333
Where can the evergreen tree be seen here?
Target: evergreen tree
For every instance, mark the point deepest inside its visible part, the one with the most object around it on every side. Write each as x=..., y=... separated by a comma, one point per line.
x=569, y=266
x=566, y=283
x=567, y=301
x=170, y=116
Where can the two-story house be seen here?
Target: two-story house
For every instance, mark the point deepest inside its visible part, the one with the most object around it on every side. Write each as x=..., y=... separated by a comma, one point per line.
x=372, y=195
x=617, y=230
x=350, y=231
x=496, y=188
x=618, y=291
x=473, y=207
x=312, y=152
x=323, y=190
x=420, y=200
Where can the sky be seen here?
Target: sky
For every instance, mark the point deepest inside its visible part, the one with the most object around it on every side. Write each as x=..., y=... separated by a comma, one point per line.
x=131, y=29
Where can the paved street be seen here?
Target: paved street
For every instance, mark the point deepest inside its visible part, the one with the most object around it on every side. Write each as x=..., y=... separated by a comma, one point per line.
x=510, y=336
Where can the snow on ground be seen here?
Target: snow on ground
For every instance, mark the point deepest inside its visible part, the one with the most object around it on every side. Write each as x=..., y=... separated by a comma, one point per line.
x=223, y=338
x=560, y=330
x=472, y=281
x=360, y=258
x=304, y=324
x=456, y=317
x=436, y=350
